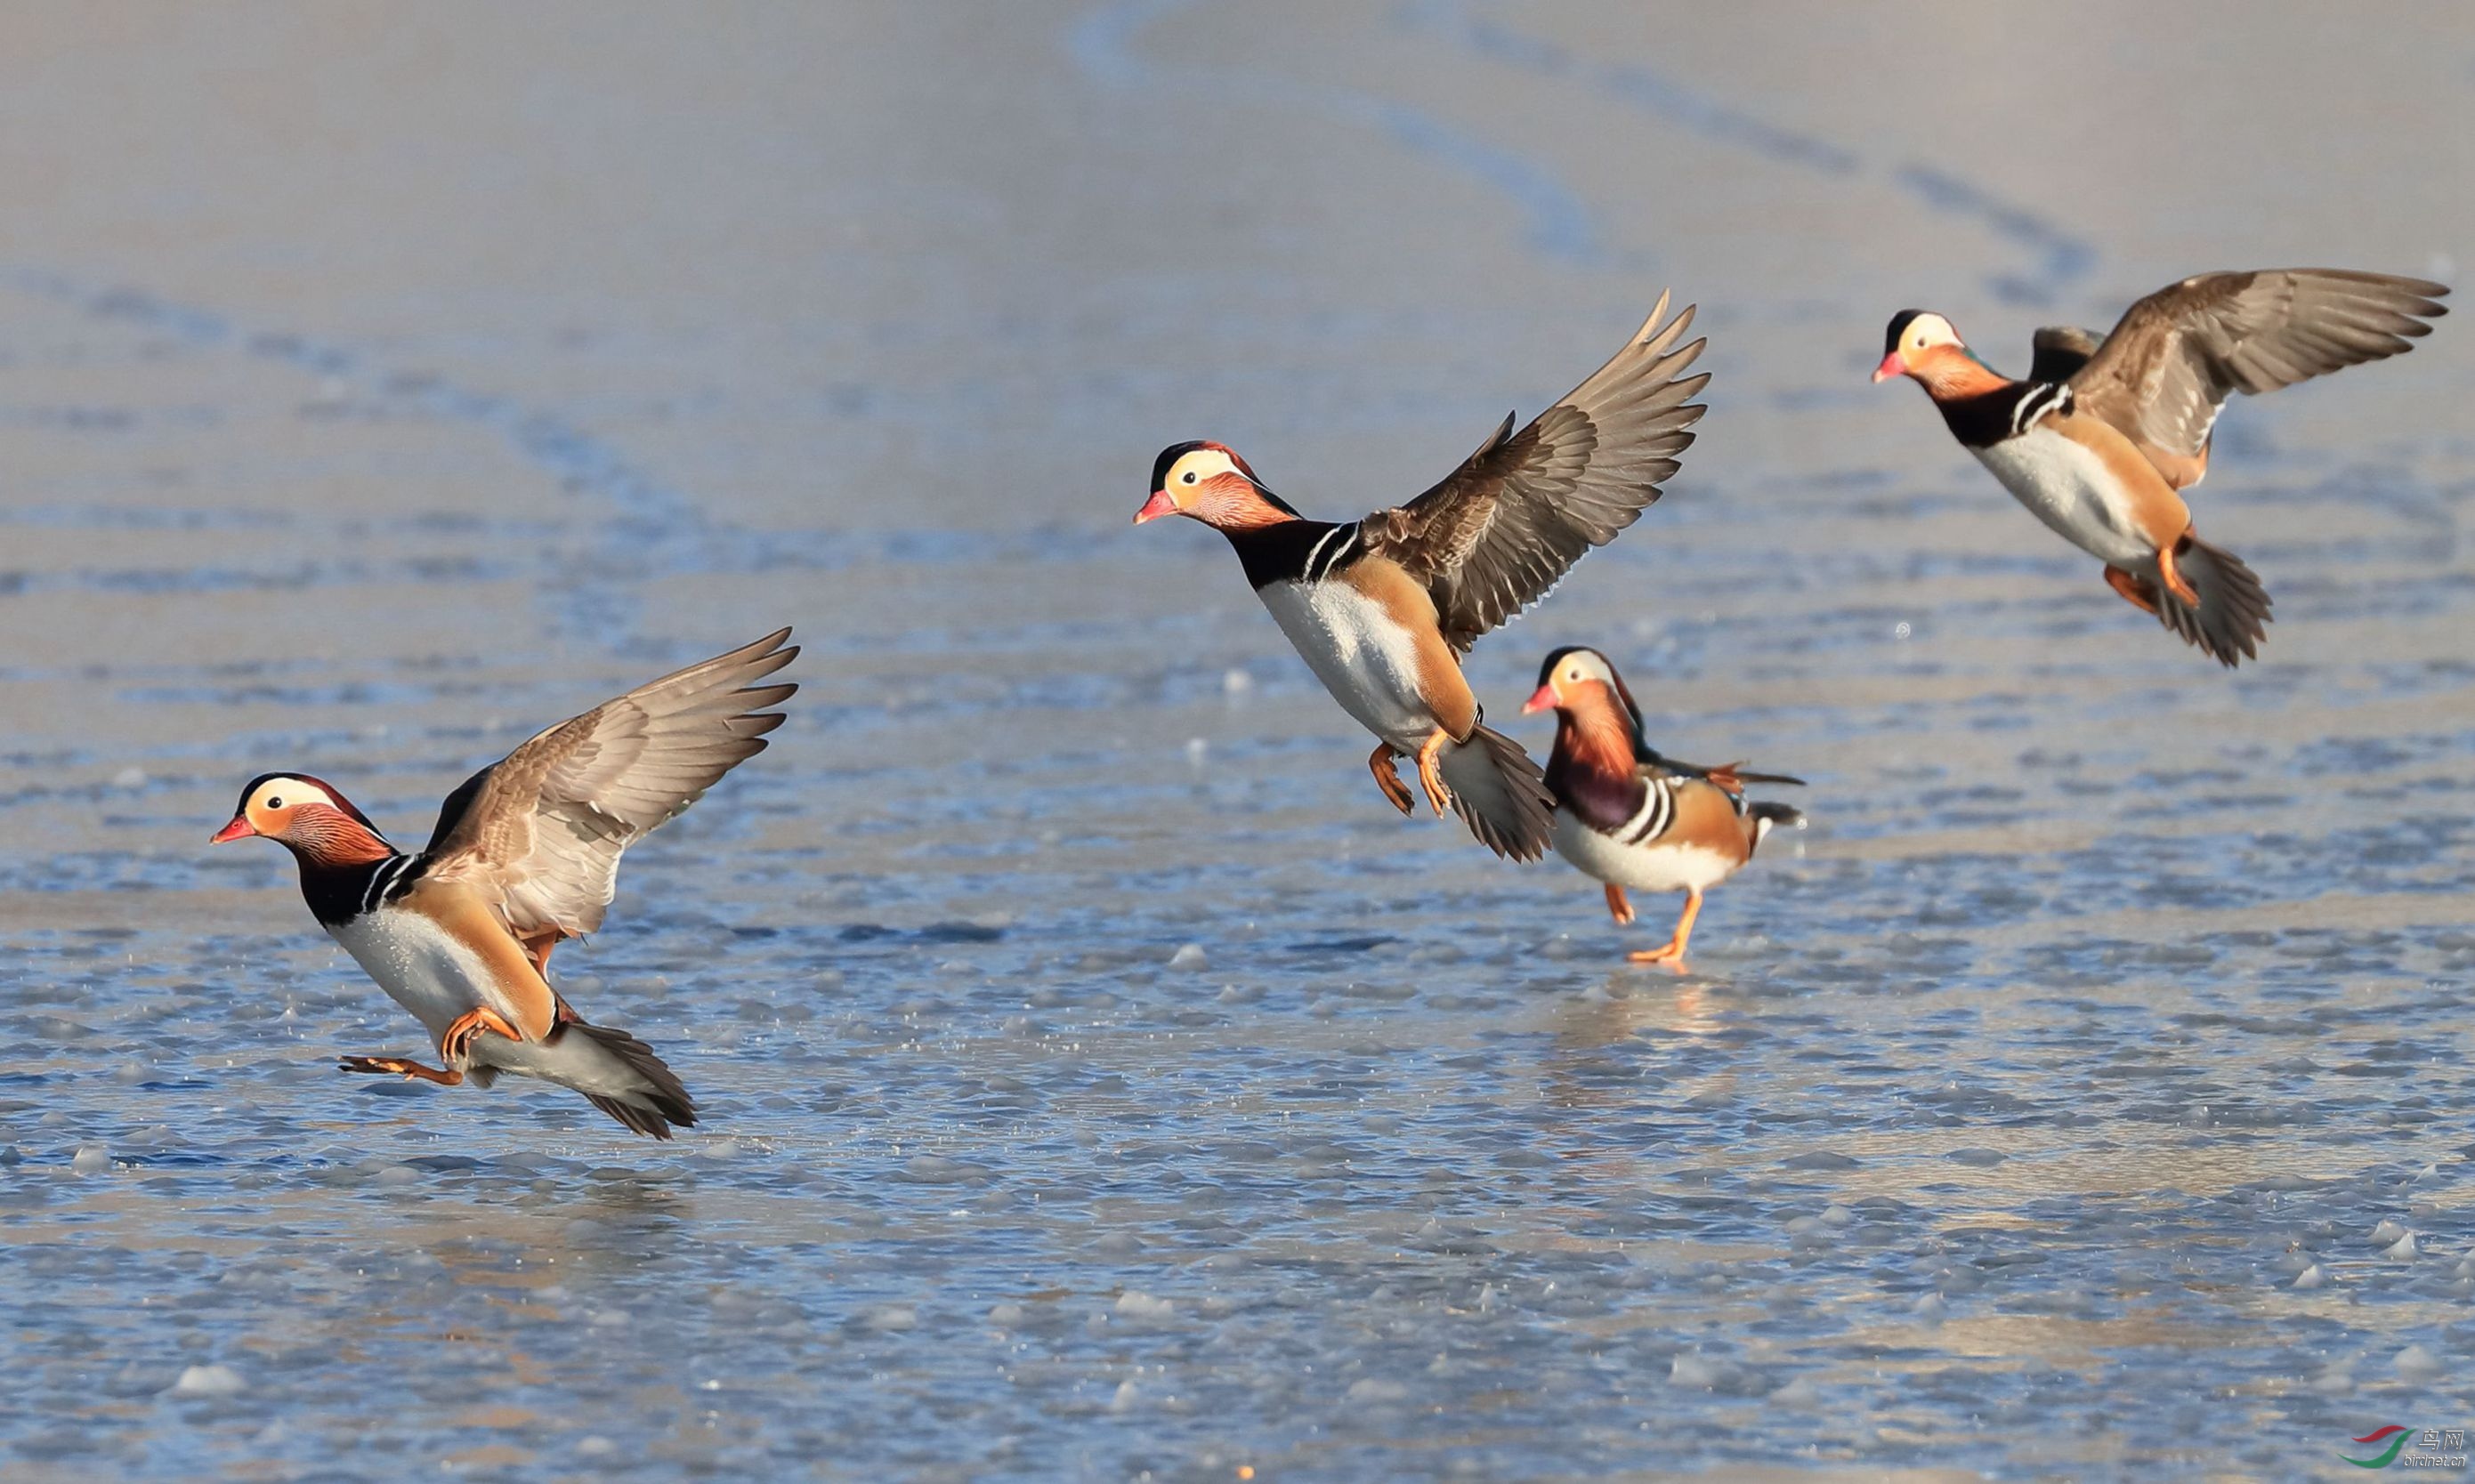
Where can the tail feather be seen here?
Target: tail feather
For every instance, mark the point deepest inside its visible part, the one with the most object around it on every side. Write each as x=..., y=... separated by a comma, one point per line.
x=2233, y=615
x=1766, y=816
x=659, y=1099
x=1500, y=793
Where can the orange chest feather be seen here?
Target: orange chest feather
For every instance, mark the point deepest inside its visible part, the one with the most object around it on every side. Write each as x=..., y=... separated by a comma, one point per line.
x=1405, y=601
x=461, y=912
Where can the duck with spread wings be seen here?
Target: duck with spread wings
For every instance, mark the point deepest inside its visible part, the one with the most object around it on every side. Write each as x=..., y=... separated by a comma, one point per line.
x=2107, y=431
x=1382, y=609
x=524, y=856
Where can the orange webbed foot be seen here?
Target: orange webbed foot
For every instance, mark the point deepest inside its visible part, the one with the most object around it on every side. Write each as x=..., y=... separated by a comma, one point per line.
x=456, y=1045
x=1431, y=771
x=2174, y=579
x=1672, y=954
x=1388, y=778
x=2138, y=593
x=409, y=1071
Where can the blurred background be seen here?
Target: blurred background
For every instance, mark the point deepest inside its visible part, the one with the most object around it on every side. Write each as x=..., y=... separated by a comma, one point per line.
x=2085, y=1092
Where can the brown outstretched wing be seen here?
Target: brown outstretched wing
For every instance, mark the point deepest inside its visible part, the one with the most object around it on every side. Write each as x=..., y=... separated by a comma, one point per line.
x=2165, y=370
x=1502, y=528
x=540, y=832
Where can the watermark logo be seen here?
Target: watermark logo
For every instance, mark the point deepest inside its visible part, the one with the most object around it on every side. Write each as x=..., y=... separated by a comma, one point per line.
x=2435, y=1448
x=2397, y=1436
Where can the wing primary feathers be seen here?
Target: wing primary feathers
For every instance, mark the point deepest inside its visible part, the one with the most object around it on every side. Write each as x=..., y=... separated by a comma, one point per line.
x=1502, y=528
x=2164, y=372
x=541, y=831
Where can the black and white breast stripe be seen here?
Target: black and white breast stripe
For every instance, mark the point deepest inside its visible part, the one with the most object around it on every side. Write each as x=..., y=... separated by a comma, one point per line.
x=2041, y=400
x=1296, y=550
x=337, y=896
x=384, y=880
x=1657, y=809
x=1651, y=821
x=1986, y=419
x=1329, y=554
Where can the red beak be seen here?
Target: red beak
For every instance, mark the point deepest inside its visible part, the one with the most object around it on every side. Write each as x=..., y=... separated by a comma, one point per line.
x=1160, y=505
x=239, y=829
x=1541, y=699
x=1891, y=366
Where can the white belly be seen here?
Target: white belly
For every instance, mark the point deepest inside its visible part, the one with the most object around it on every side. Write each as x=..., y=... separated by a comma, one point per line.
x=418, y=965
x=2069, y=487
x=1648, y=868
x=426, y=971
x=1368, y=662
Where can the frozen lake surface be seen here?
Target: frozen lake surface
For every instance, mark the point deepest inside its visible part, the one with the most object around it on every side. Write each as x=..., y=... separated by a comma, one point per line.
x=2084, y=1094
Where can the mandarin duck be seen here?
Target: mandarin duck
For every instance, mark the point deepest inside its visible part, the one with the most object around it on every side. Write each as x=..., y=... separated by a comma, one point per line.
x=1382, y=609
x=1631, y=817
x=524, y=855
x=2106, y=431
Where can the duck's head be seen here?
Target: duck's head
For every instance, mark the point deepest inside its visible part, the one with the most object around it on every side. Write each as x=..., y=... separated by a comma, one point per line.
x=1209, y=483
x=1922, y=345
x=1578, y=683
x=305, y=814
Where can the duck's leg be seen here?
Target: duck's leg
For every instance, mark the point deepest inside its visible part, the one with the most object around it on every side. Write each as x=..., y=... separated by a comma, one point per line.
x=410, y=1071
x=1431, y=770
x=1617, y=907
x=456, y=1045
x=1386, y=778
x=1672, y=953
x=2138, y=593
x=2174, y=579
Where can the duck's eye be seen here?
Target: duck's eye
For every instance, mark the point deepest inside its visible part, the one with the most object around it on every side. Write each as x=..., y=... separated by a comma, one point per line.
x=272, y=802
x=1190, y=476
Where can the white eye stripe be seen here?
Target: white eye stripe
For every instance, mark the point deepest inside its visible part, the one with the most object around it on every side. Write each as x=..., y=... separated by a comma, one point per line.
x=295, y=795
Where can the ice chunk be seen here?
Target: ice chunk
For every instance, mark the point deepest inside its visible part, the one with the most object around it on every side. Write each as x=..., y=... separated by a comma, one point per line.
x=1689, y=1369
x=209, y=1381
x=1137, y=1305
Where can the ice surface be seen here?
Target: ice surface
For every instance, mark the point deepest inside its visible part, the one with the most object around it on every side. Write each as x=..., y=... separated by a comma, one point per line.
x=377, y=392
